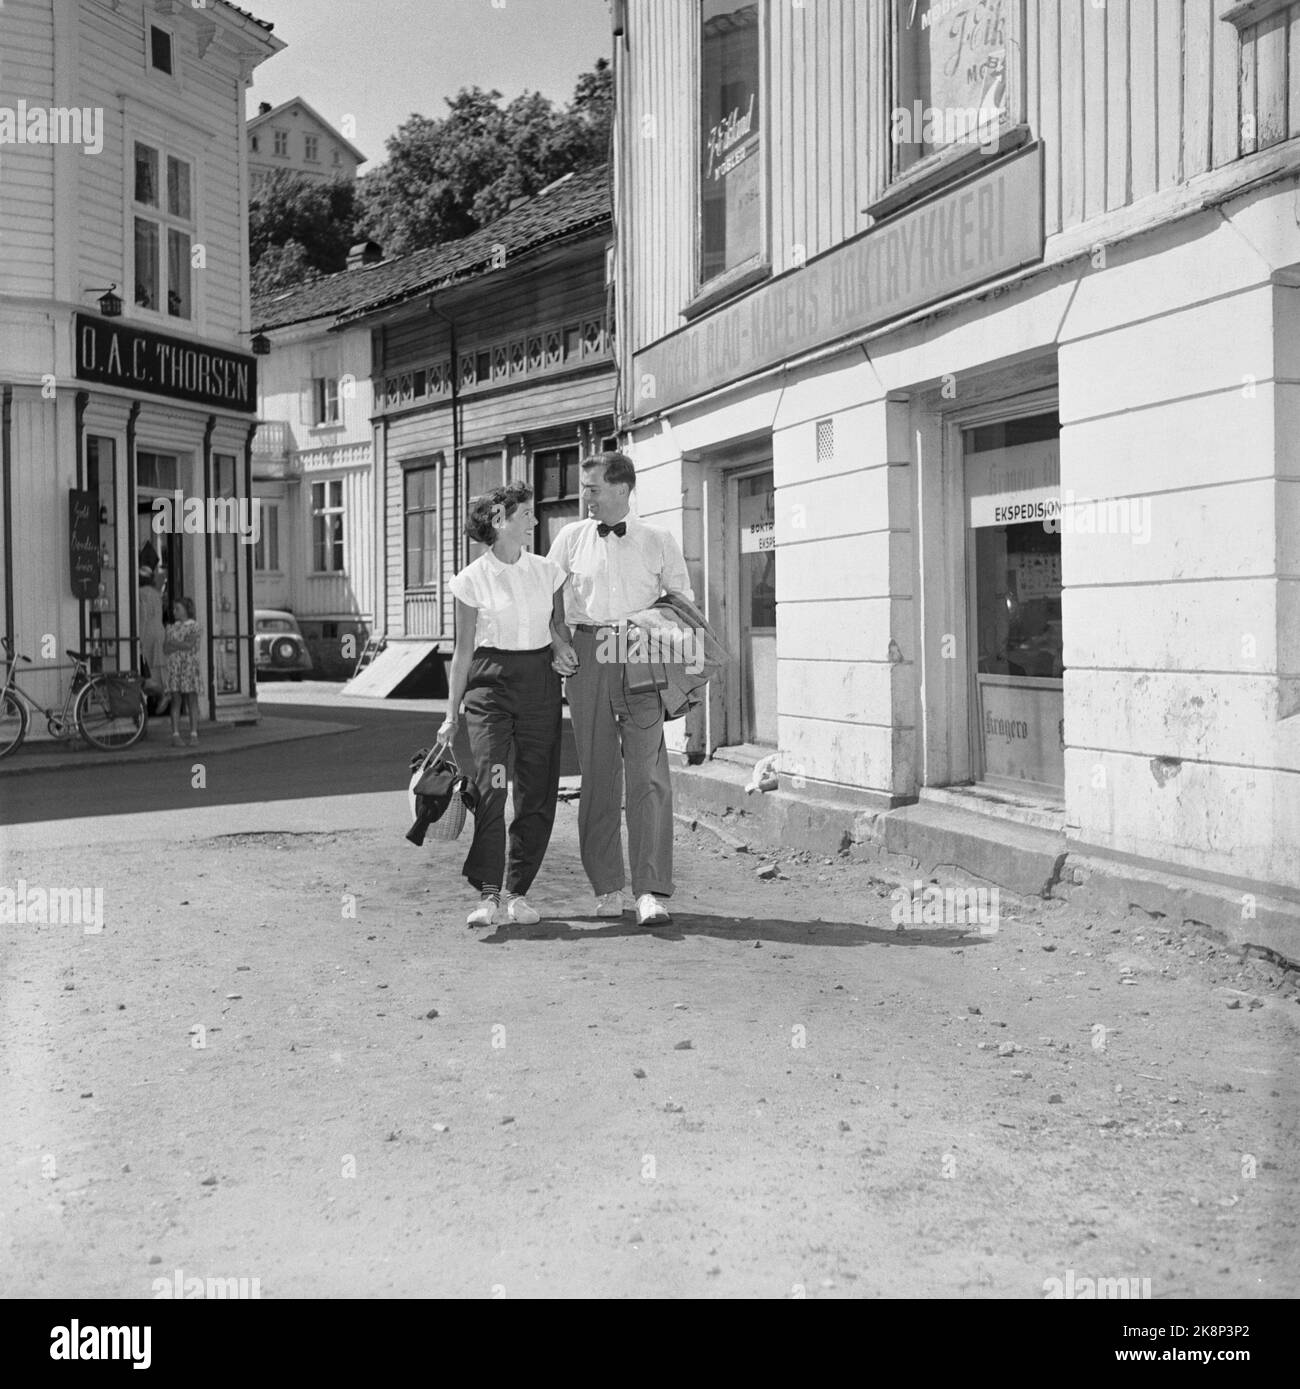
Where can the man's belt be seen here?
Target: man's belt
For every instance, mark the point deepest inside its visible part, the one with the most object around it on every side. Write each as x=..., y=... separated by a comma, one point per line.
x=595, y=627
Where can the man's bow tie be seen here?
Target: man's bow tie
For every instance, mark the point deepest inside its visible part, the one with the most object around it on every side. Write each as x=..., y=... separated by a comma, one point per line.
x=619, y=530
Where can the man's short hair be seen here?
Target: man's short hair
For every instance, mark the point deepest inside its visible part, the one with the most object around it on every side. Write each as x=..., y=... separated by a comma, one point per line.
x=619, y=468
x=492, y=508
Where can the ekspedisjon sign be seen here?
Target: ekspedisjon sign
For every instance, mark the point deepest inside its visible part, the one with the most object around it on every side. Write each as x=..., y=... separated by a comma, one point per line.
x=986, y=226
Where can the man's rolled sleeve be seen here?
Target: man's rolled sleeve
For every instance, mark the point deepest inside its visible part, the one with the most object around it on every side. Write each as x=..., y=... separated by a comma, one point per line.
x=673, y=576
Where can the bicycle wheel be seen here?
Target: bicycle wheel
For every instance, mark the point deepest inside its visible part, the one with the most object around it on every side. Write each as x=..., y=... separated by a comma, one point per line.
x=13, y=724
x=101, y=721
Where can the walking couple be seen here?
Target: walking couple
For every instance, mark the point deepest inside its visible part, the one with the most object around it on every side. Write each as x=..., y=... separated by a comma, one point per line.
x=522, y=622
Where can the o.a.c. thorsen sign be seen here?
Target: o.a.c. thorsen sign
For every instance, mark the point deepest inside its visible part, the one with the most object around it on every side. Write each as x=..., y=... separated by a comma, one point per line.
x=138, y=360
x=986, y=226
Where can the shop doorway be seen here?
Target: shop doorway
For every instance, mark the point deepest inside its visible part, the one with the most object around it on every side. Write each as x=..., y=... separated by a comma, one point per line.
x=1012, y=491
x=158, y=476
x=751, y=542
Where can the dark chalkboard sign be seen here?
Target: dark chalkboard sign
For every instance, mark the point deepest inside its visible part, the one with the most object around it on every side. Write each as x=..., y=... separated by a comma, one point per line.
x=83, y=542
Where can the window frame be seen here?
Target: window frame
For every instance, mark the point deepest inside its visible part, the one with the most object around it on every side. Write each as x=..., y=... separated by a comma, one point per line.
x=310, y=142
x=430, y=463
x=953, y=162
x=537, y=453
x=322, y=513
x=270, y=525
x=165, y=222
x=707, y=294
x=150, y=25
x=280, y=137
x=322, y=399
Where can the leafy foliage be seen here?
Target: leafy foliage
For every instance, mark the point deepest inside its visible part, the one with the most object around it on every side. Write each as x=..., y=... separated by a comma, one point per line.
x=446, y=178
x=298, y=226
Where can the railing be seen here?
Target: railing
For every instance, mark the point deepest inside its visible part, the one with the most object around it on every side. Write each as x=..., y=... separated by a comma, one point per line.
x=273, y=441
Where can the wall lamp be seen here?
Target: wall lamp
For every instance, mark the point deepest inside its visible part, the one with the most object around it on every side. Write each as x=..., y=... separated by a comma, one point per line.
x=110, y=302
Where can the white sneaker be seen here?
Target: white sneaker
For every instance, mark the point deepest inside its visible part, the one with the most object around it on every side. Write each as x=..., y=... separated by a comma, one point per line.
x=521, y=913
x=485, y=914
x=650, y=911
x=611, y=904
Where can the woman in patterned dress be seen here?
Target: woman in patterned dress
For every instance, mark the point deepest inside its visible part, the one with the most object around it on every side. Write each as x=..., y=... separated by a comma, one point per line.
x=181, y=649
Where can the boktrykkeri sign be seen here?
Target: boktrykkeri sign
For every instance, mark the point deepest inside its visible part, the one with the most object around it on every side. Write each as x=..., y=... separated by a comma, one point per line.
x=83, y=543
x=986, y=226
x=179, y=367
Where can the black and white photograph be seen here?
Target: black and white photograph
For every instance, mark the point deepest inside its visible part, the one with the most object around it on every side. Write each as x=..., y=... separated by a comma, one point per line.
x=650, y=651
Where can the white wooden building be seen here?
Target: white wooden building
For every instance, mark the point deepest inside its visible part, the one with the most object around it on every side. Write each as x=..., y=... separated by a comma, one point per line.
x=313, y=471
x=122, y=169
x=960, y=349
x=295, y=138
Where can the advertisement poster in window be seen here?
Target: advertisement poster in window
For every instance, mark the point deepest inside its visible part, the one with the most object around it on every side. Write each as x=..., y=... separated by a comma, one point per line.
x=731, y=142
x=953, y=68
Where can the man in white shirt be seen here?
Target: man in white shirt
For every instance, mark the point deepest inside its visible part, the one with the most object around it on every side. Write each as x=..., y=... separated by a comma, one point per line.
x=616, y=566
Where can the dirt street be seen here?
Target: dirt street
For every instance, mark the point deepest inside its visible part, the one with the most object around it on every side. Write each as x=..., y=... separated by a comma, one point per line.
x=285, y=1058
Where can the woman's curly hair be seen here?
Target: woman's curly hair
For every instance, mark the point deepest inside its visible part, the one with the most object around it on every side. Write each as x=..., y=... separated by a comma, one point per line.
x=493, y=509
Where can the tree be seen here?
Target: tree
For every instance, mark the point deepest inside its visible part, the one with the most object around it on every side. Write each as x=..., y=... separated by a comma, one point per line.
x=446, y=178
x=278, y=267
x=300, y=225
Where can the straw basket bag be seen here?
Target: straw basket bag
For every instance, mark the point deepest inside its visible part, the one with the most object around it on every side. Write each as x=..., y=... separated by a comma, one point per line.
x=436, y=796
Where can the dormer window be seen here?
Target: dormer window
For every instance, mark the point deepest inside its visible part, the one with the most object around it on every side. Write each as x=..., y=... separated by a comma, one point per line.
x=161, y=54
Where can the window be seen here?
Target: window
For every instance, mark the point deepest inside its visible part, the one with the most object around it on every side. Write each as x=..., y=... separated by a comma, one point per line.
x=164, y=231
x=731, y=176
x=338, y=159
x=282, y=143
x=327, y=527
x=254, y=143
x=161, y=55
x=420, y=510
x=951, y=76
x=555, y=484
x=325, y=395
x=482, y=474
x=266, y=552
x=311, y=147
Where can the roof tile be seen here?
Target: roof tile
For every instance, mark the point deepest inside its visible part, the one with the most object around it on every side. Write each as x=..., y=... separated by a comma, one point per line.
x=575, y=202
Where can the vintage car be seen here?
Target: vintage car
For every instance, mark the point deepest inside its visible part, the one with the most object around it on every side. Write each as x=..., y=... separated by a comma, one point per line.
x=279, y=644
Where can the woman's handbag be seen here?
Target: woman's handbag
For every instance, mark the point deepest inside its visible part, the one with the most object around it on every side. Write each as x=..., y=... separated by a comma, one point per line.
x=437, y=795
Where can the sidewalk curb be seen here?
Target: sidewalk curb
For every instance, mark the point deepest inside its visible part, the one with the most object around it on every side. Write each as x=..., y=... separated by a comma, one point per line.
x=283, y=731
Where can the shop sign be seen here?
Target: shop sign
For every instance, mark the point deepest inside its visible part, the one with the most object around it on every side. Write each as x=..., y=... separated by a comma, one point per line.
x=1008, y=487
x=758, y=538
x=985, y=226
x=137, y=360
x=1022, y=725
x=83, y=543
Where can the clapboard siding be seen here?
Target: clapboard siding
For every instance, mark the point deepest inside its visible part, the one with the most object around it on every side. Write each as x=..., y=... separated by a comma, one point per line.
x=1129, y=99
x=568, y=295
x=26, y=171
x=201, y=119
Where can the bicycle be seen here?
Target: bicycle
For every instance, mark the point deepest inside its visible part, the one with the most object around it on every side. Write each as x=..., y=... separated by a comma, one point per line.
x=107, y=710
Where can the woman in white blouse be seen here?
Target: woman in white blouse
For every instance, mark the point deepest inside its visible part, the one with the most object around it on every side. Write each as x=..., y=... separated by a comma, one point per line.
x=506, y=669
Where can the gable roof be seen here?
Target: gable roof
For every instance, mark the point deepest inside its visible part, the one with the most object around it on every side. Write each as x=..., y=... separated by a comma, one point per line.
x=564, y=209
x=262, y=117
